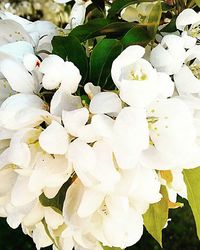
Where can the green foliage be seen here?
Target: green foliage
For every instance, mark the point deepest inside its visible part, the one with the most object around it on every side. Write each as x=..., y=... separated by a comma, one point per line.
x=100, y=27
x=197, y=2
x=170, y=27
x=154, y=19
x=69, y=47
x=101, y=61
x=90, y=29
x=56, y=202
x=192, y=180
x=156, y=217
x=111, y=248
x=136, y=35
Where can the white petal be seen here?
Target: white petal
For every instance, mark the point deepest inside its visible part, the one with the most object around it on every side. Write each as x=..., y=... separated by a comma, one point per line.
x=91, y=90
x=125, y=230
x=105, y=103
x=17, y=49
x=131, y=136
x=186, y=17
x=54, y=139
x=19, y=79
x=128, y=56
x=21, y=195
x=90, y=202
x=52, y=218
x=70, y=78
x=63, y=101
x=186, y=82
x=74, y=120
x=40, y=237
x=84, y=161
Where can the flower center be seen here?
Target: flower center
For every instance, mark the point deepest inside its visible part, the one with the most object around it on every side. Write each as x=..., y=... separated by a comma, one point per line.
x=138, y=75
x=194, y=30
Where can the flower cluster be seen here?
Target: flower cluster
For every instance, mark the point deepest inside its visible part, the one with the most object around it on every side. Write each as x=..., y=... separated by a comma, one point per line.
x=82, y=172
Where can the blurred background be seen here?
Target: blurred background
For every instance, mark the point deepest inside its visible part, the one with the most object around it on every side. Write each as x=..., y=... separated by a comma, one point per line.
x=180, y=233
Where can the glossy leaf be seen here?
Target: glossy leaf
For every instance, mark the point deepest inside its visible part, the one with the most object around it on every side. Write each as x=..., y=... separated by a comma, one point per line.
x=154, y=19
x=101, y=61
x=100, y=27
x=68, y=48
x=156, y=217
x=171, y=26
x=137, y=35
x=192, y=177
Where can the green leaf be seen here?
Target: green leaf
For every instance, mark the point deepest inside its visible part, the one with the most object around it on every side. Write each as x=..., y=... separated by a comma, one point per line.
x=86, y=31
x=156, y=216
x=101, y=61
x=118, y=5
x=166, y=7
x=171, y=26
x=197, y=2
x=136, y=35
x=68, y=48
x=56, y=202
x=192, y=181
x=100, y=27
x=154, y=19
x=111, y=248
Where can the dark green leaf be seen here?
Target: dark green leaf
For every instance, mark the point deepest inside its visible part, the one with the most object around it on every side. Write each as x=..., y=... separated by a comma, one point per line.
x=192, y=181
x=86, y=31
x=58, y=200
x=69, y=47
x=100, y=27
x=136, y=35
x=156, y=216
x=101, y=61
x=170, y=27
x=166, y=7
x=100, y=4
x=118, y=5
x=154, y=19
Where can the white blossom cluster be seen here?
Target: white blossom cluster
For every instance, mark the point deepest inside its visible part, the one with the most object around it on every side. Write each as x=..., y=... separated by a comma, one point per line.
x=114, y=152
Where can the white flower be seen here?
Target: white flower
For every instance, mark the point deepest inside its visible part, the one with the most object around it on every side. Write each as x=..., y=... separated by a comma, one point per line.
x=105, y=103
x=59, y=73
x=188, y=78
x=23, y=110
x=130, y=136
x=77, y=14
x=138, y=82
x=54, y=139
x=169, y=55
x=19, y=78
x=172, y=147
x=188, y=21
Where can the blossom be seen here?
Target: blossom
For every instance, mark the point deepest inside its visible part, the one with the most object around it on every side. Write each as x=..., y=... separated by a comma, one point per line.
x=57, y=72
x=169, y=55
x=138, y=82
